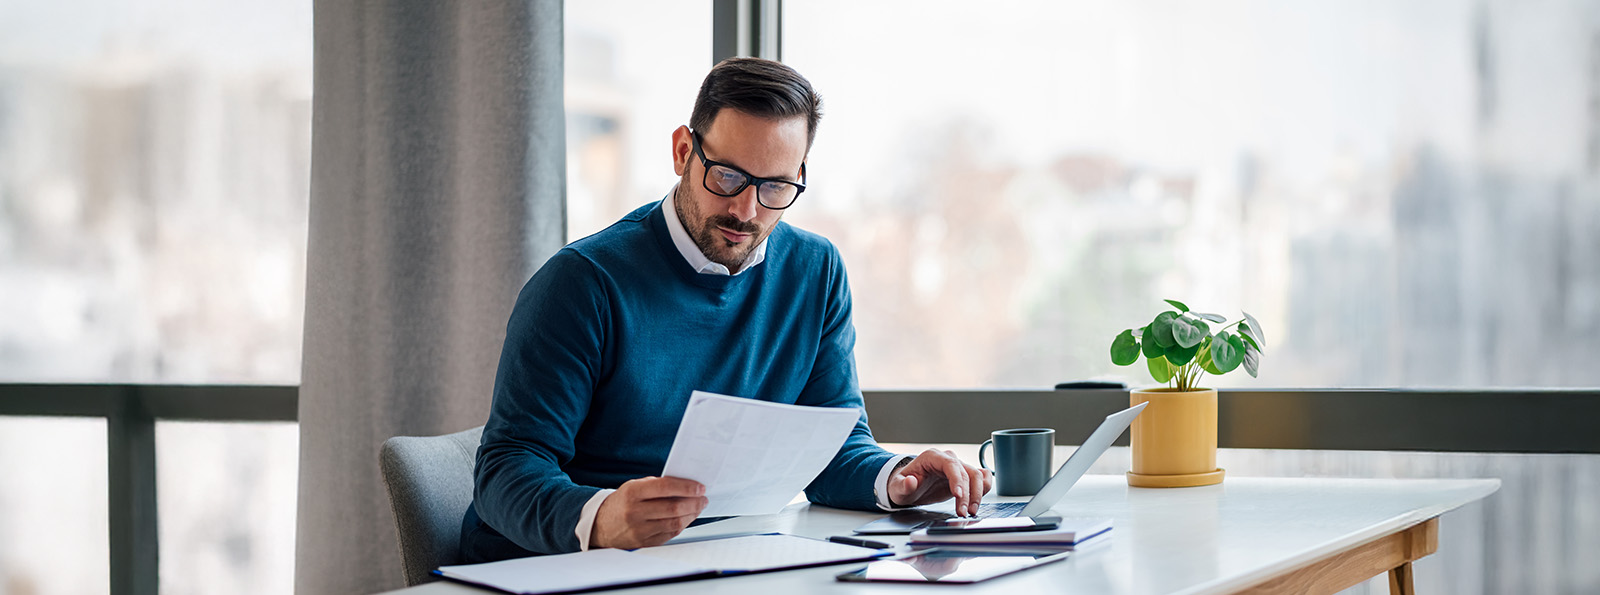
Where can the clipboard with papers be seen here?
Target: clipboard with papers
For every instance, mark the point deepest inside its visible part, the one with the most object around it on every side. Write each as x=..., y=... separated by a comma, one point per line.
x=611, y=568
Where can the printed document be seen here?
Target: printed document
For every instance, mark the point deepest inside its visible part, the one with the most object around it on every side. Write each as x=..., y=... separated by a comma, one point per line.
x=754, y=456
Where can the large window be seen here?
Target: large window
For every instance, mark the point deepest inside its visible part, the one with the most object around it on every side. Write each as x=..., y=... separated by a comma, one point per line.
x=1404, y=194
x=154, y=174
x=53, y=526
x=632, y=70
x=154, y=179
x=226, y=504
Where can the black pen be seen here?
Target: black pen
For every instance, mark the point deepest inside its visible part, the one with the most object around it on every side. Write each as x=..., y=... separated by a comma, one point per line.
x=877, y=545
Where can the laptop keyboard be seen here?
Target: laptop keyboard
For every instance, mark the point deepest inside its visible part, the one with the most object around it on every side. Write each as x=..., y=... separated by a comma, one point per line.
x=985, y=510
x=901, y=522
x=1000, y=509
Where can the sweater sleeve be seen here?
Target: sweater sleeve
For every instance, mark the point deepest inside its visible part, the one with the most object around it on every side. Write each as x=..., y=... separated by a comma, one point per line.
x=848, y=480
x=548, y=370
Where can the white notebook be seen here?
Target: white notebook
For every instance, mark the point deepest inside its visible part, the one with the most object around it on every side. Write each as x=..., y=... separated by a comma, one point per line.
x=595, y=569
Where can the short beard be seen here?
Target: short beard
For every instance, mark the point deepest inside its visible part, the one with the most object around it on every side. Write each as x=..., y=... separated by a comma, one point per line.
x=705, y=238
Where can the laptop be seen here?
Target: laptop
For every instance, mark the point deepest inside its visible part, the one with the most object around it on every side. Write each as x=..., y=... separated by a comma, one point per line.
x=903, y=522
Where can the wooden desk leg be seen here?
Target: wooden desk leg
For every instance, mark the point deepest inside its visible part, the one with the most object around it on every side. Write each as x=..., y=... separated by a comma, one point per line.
x=1400, y=580
x=1391, y=553
x=1420, y=541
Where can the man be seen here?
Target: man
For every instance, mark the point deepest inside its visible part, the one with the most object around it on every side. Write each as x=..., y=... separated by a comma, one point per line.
x=704, y=290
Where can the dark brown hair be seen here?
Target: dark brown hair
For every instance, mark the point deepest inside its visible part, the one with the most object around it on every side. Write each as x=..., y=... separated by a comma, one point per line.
x=761, y=88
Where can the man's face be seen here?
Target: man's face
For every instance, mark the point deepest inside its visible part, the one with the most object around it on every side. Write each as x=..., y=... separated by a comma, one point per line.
x=727, y=228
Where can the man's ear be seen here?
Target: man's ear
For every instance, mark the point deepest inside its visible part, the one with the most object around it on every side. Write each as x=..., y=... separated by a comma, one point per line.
x=681, y=149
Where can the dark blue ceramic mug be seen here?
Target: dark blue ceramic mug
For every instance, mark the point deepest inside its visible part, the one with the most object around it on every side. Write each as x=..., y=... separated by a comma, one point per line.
x=1022, y=459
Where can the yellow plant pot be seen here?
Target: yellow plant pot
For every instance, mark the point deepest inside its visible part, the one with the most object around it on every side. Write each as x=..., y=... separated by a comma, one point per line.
x=1175, y=439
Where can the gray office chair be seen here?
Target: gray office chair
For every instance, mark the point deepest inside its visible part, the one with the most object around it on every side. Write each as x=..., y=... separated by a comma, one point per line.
x=430, y=486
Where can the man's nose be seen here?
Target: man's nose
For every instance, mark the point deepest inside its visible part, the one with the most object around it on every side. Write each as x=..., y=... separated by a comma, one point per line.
x=743, y=206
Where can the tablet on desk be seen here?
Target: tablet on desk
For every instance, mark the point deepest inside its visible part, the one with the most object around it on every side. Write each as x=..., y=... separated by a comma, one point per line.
x=954, y=565
x=968, y=526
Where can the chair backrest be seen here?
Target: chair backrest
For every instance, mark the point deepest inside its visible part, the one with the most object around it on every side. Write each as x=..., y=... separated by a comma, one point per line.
x=430, y=486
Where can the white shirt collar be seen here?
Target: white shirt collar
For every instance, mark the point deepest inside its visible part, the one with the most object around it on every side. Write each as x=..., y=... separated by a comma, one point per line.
x=697, y=259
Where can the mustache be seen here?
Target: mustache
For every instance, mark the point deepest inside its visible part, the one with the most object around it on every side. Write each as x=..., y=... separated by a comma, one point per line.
x=727, y=221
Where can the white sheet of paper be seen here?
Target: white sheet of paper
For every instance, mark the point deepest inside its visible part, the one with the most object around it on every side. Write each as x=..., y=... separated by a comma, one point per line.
x=754, y=456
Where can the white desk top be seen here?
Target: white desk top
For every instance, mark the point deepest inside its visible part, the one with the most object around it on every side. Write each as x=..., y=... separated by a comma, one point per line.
x=1212, y=539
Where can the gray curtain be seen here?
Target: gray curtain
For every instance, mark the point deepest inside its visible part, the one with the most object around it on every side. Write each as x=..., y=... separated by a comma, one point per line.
x=437, y=187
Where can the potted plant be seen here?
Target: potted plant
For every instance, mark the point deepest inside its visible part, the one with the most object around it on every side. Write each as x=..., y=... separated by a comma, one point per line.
x=1175, y=440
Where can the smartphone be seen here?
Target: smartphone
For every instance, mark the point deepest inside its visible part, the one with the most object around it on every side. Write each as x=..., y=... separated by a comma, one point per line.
x=995, y=525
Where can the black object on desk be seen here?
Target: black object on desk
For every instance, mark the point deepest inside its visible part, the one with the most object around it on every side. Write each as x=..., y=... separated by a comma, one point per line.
x=867, y=543
x=1089, y=384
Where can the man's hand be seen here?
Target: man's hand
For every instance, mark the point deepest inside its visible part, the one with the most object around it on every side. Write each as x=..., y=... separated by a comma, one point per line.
x=646, y=511
x=937, y=475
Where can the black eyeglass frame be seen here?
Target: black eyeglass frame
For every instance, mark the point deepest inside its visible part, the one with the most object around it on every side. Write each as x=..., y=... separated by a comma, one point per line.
x=800, y=187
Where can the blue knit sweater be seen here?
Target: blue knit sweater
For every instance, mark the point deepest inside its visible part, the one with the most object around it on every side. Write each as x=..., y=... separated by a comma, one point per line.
x=605, y=344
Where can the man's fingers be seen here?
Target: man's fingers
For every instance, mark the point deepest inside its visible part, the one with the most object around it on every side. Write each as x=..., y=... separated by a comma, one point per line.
x=903, y=490
x=908, y=483
x=976, y=489
x=648, y=511
x=652, y=522
x=668, y=508
x=666, y=487
x=956, y=474
x=657, y=532
x=649, y=537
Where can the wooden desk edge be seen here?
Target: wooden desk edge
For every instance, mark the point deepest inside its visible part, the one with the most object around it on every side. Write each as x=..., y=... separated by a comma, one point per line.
x=1392, y=553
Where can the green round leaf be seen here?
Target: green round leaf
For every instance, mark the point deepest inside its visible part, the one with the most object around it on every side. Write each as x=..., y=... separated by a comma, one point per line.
x=1124, y=349
x=1178, y=355
x=1160, y=369
x=1211, y=317
x=1177, y=304
x=1255, y=330
x=1162, y=326
x=1252, y=361
x=1185, y=333
x=1244, y=333
x=1205, y=357
x=1221, y=352
x=1226, y=352
x=1238, y=346
x=1148, y=343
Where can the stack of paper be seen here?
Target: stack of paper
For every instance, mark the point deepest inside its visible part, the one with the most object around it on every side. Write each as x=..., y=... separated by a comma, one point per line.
x=1072, y=532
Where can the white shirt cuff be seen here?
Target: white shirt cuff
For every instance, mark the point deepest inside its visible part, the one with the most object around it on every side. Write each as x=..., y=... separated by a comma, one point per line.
x=880, y=488
x=586, y=518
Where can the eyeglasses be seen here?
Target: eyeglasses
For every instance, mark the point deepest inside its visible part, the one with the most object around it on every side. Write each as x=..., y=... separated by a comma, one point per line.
x=722, y=179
